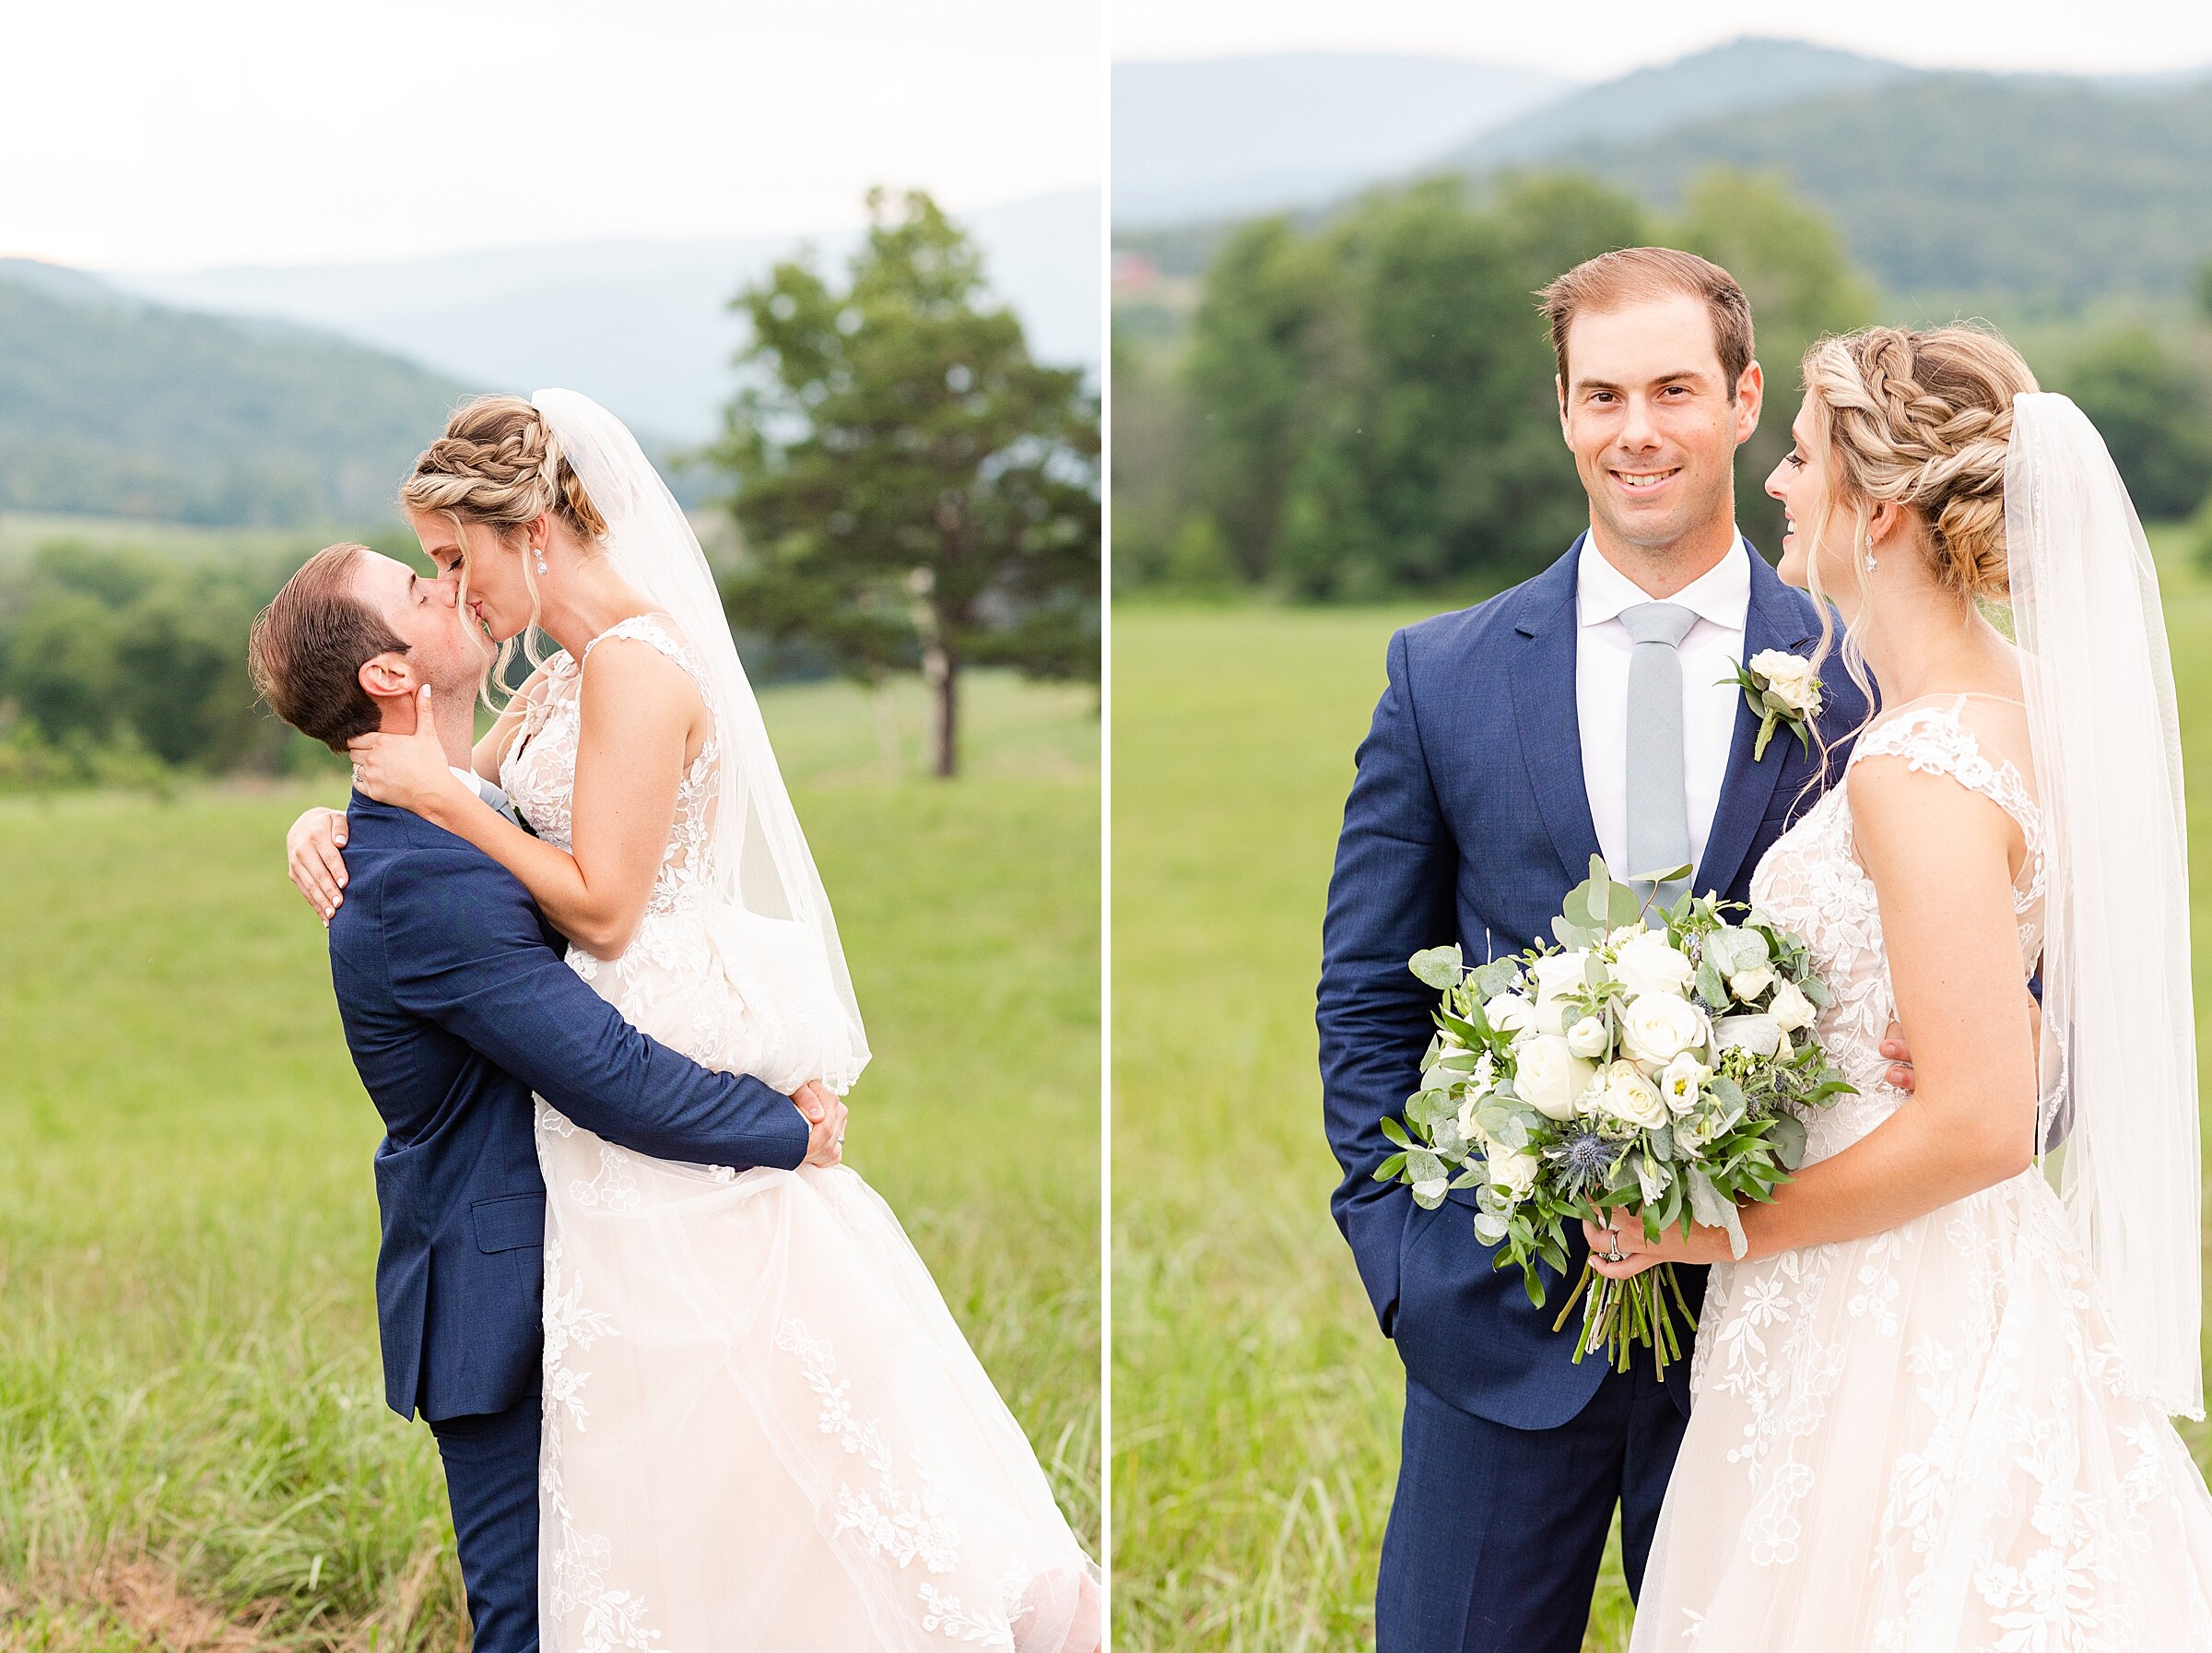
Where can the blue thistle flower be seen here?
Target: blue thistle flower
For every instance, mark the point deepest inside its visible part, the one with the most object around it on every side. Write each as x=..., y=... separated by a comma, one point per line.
x=1586, y=1159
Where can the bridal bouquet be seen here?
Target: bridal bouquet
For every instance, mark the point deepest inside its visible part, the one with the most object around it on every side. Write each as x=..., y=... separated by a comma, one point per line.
x=1664, y=1066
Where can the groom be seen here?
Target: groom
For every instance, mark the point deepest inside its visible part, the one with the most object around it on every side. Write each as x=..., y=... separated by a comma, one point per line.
x=1587, y=710
x=457, y=1006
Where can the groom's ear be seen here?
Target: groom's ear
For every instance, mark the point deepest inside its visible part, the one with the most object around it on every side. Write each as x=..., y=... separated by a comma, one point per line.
x=388, y=676
x=1750, y=396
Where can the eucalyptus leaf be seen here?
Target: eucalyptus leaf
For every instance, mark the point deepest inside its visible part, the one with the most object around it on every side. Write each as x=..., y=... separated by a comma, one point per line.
x=1711, y=1208
x=1789, y=1140
x=1438, y=966
x=1499, y=976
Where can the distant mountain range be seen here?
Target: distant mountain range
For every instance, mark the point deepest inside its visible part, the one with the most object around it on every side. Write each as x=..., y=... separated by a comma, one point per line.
x=115, y=407
x=643, y=326
x=2044, y=191
x=1247, y=134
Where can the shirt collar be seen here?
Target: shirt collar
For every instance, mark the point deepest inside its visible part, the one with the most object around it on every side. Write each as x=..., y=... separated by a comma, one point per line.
x=1722, y=593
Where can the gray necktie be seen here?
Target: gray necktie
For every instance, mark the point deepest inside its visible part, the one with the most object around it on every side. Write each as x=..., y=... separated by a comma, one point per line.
x=1658, y=790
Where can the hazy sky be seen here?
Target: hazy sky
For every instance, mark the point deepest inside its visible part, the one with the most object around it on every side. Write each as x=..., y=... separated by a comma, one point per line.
x=149, y=135
x=1593, y=43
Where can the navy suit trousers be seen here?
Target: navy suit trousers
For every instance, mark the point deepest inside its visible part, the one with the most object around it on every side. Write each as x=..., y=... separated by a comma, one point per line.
x=1496, y=1533
x=491, y=1483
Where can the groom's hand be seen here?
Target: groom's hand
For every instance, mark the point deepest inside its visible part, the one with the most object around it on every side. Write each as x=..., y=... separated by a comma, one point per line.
x=825, y=1112
x=1900, y=1056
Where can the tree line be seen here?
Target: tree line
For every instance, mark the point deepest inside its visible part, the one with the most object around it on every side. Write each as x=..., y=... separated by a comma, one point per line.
x=910, y=492
x=1365, y=407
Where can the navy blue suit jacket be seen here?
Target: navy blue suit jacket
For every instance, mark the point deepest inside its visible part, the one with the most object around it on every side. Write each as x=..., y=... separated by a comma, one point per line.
x=457, y=1005
x=1467, y=822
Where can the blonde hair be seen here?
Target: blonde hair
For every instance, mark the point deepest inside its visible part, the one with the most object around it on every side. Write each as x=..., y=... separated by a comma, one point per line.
x=499, y=464
x=1919, y=419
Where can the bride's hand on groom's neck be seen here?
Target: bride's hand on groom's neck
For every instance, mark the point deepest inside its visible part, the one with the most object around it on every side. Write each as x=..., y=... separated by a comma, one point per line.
x=409, y=772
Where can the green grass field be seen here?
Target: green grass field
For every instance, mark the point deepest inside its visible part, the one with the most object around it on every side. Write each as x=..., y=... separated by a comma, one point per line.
x=193, y=1450
x=1256, y=1405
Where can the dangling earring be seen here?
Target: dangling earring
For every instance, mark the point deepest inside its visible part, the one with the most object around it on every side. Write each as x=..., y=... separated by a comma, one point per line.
x=541, y=560
x=1867, y=543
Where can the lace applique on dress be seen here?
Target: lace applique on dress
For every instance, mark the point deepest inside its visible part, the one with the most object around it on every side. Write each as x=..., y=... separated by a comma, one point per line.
x=1924, y=1437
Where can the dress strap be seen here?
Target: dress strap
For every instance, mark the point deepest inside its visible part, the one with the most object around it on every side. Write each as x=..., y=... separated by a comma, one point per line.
x=651, y=628
x=1933, y=739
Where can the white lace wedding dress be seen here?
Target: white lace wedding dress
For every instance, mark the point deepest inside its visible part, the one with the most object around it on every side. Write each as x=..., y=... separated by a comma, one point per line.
x=1923, y=1441
x=763, y=1430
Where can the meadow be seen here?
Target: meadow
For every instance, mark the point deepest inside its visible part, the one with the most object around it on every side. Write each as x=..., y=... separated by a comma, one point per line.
x=194, y=1447
x=1256, y=1406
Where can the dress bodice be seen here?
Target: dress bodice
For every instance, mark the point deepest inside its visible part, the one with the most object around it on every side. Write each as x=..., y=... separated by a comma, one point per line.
x=538, y=773
x=1812, y=882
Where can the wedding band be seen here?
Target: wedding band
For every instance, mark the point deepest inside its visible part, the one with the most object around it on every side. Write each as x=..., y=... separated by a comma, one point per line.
x=357, y=774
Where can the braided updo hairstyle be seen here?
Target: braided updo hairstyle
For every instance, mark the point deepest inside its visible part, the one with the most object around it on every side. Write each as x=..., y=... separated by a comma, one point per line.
x=499, y=464
x=1922, y=419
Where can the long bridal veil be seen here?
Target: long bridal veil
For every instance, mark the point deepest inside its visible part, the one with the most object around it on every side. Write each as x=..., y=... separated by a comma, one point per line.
x=2119, y=1057
x=760, y=853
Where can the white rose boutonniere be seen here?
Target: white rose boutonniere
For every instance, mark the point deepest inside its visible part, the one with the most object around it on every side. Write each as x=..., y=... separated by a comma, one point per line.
x=1782, y=688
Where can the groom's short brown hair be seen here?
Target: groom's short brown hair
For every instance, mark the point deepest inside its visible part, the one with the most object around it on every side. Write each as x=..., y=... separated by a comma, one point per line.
x=1636, y=275
x=308, y=645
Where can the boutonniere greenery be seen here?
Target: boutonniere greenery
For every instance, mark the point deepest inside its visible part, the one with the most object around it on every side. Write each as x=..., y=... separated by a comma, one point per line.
x=1782, y=688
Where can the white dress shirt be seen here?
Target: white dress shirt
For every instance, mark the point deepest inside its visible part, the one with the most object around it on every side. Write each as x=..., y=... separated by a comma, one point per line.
x=1721, y=598
x=486, y=790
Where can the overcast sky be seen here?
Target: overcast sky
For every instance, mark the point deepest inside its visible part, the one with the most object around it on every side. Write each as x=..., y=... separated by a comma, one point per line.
x=150, y=135
x=1595, y=43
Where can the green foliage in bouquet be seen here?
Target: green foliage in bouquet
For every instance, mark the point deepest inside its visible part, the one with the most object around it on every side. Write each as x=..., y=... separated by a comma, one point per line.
x=1645, y=1062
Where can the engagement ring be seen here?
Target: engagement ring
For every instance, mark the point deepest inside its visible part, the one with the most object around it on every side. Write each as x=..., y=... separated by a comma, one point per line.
x=1612, y=1252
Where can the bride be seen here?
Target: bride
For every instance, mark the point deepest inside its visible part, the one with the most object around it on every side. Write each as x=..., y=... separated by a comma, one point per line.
x=762, y=1428
x=1931, y=1404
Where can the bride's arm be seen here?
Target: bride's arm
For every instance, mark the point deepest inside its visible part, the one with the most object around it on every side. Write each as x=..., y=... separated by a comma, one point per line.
x=638, y=709
x=1940, y=857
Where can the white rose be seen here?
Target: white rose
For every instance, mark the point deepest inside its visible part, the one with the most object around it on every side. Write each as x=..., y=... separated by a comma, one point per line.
x=1682, y=1082
x=1558, y=974
x=1587, y=1037
x=1748, y=985
x=1651, y=963
x=1550, y=1075
x=1658, y=1027
x=1620, y=934
x=1515, y=1173
x=1792, y=678
x=1761, y=1035
x=1511, y=1012
x=1790, y=1008
x=1623, y=1093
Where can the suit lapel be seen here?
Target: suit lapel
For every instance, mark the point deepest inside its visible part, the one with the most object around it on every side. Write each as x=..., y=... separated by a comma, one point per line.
x=1544, y=709
x=1775, y=620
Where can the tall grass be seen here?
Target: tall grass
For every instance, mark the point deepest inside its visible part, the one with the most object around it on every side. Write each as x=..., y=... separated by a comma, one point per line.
x=1256, y=1406
x=194, y=1447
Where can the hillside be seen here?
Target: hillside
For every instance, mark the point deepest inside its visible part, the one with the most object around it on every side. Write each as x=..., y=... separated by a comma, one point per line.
x=643, y=326
x=1731, y=79
x=1254, y=133
x=2041, y=191
x=112, y=406
x=2052, y=191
